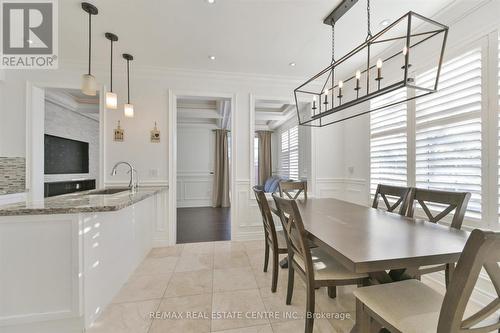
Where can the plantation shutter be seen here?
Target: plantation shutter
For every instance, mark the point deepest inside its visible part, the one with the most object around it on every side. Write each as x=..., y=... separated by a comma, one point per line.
x=388, y=150
x=448, y=130
x=290, y=153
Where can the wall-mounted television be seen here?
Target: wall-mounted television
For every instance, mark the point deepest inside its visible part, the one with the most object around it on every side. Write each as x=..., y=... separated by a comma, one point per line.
x=65, y=156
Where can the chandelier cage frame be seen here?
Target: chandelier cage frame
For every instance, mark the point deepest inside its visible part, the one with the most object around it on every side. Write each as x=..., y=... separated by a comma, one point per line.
x=328, y=107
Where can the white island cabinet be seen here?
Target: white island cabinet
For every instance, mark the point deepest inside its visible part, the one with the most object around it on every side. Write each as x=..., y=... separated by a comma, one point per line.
x=64, y=259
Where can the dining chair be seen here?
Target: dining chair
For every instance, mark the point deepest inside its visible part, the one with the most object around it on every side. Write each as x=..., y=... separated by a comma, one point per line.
x=292, y=189
x=316, y=267
x=451, y=201
x=274, y=240
x=400, y=194
x=412, y=306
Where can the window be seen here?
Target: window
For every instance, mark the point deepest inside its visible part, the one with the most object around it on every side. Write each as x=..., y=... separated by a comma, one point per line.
x=388, y=152
x=446, y=143
x=289, y=155
x=448, y=130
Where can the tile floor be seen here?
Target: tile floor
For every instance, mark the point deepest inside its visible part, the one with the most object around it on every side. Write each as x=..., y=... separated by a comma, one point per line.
x=222, y=287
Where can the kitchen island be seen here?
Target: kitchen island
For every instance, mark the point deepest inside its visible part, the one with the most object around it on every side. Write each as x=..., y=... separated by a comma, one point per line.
x=64, y=258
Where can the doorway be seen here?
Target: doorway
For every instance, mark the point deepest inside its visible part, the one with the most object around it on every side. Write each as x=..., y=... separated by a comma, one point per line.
x=203, y=165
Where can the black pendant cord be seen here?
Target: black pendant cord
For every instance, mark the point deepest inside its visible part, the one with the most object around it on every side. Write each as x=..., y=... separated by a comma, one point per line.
x=128, y=81
x=333, y=41
x=111, y=69
x=90, y=41
x=368, y=20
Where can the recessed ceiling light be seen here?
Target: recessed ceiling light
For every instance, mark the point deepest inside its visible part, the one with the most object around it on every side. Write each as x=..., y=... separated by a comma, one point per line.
x=385, y=23
x=292, y=64
x=30, y=41
x=212, y=57
x=211, y=1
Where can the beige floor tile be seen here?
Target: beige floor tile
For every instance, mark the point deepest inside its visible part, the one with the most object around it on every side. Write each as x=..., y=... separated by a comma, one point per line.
x=190, y=283
x=126, y=318
x=345, y=325
x=143, y=287
x=169, y=251
x=253, y=329
x=344, y=302
x=320, y=326
x=230, y=246
x=156, y=266
x=254, y=245
x=276, y=303
x=243, y=304
x=194, y=262
x=198, y=248
x=231, y=259
x=234, y=279
x=187, y=307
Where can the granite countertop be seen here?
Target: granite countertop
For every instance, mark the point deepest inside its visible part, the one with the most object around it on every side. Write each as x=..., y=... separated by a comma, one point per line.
x=80, y=202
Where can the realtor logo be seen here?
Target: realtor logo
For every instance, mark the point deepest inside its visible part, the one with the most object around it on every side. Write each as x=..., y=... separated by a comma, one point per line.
x=29, y=34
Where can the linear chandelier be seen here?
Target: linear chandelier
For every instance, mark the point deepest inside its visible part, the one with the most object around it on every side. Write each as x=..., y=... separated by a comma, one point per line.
x=338, y=92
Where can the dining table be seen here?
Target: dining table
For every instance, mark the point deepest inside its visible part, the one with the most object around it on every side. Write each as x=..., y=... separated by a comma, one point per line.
x=376, y=242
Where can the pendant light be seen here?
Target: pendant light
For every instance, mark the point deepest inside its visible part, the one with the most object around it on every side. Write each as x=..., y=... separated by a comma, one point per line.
x=89, y=84
x=378, y=59
x=128, y=109
x=111, y=97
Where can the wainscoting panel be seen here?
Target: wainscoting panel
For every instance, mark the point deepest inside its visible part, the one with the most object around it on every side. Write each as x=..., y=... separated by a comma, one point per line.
x=194, y=189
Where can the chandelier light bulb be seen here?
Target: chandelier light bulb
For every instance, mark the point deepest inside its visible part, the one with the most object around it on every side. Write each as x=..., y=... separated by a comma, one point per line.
x=405, y=50
x=358, y=74
x=341, y=84
x=379, y=63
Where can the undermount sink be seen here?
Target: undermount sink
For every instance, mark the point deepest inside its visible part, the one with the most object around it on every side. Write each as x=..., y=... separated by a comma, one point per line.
x=108, y=191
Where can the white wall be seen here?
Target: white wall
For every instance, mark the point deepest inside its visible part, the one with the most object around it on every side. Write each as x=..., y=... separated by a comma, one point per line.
x=149, y=89
x=195, y=165
x=63, y=122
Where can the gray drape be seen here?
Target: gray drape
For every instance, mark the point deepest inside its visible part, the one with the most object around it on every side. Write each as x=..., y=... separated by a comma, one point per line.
x=264, y=156
x=220, y=193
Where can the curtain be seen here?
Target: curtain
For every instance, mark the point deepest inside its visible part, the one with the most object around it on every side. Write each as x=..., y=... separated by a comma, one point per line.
x=220, y=193
x=264, y=156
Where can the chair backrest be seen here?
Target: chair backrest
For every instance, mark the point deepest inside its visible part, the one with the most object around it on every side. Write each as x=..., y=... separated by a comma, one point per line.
x=482, y=250
x=400, y=193
x=295, y=233
x=267, y=217
x=288, y=187
x=455, y=201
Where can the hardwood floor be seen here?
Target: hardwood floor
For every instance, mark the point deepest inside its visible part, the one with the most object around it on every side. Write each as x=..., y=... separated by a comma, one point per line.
x=203, y=224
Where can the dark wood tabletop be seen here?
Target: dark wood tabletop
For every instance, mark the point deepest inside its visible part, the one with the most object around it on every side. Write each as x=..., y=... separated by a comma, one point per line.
x=367, y=240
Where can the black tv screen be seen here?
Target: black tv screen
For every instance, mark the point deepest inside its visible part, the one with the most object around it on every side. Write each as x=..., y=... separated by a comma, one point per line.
x=65, y=156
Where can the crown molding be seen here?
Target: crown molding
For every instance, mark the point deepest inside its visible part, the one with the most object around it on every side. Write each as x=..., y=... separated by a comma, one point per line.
x=162, y=72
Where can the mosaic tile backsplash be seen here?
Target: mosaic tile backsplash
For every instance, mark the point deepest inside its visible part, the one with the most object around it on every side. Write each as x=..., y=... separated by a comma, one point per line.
x=12, y=175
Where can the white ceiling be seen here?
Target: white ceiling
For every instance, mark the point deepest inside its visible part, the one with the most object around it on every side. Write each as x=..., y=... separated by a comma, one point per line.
x=250, y=36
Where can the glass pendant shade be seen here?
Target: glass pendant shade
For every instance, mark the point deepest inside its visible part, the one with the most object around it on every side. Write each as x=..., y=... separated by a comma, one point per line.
x=111, y=100
x=128, y=110
x=89, y=85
